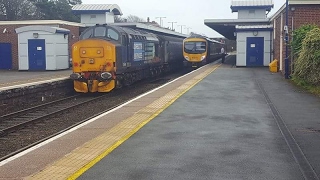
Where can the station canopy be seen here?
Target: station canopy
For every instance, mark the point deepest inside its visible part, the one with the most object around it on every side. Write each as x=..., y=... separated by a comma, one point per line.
x=227, y=27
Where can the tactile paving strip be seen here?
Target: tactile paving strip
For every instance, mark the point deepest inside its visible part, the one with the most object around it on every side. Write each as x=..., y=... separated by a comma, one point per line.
x=81, y=159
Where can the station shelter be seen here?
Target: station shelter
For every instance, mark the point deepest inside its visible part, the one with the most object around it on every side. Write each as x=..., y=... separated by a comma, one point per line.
x=252, y=31
x=43, y=48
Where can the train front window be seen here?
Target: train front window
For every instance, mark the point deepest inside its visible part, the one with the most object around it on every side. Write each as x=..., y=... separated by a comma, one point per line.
x=100, y=31
x=195, y=47
x=113, y=34
x=87, y=34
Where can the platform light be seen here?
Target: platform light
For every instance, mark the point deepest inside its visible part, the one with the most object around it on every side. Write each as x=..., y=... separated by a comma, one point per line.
x=106, y=75
x=35, y=35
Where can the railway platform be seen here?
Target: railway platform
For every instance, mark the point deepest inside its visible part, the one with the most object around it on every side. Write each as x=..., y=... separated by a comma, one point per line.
x=217, y=122
x=17, y=79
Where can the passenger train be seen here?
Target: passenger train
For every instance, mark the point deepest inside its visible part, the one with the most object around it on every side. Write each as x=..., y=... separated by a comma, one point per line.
x=108, y=57
x=199, y=50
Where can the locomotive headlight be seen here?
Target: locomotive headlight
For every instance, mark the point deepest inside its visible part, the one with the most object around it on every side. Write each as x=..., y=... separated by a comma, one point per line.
x=75, y=76
x=83, y=52
x=106, y=75
x=203, y=57
x=98, y=52
x=187, y=58
x=91, y=61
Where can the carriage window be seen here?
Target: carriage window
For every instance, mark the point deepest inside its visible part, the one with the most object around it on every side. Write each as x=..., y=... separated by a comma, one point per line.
x=100, y=31
x=113, y=34
x=87, y=34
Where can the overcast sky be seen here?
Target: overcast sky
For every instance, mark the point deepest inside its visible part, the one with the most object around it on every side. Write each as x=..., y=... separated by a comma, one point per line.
x=184, y=12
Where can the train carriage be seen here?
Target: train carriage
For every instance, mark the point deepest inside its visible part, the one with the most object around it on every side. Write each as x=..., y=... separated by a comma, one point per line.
x=199, y=50
x=109, y=57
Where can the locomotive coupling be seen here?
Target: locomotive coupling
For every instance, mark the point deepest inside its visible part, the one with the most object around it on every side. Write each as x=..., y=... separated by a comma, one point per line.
x=75, y=76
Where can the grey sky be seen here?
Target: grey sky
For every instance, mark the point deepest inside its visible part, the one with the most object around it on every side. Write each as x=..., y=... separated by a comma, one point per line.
x=185, y=12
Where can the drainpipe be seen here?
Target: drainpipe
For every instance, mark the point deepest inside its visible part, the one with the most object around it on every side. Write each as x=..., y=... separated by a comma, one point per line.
x=286, y=61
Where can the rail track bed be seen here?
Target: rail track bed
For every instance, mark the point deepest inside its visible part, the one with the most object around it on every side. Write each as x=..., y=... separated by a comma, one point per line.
x=23, y=129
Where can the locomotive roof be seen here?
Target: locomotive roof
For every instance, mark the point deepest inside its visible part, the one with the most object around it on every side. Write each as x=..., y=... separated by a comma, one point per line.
x=151, y=28
x=204, y=37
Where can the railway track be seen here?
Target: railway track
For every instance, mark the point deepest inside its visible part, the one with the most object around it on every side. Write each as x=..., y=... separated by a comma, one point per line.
x=17, y=120
x=23, y=129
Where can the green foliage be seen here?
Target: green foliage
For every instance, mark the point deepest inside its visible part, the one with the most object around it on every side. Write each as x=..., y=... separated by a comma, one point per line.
x=298, y=36
x=38, y=9
x=307, y=66
x=307, y=86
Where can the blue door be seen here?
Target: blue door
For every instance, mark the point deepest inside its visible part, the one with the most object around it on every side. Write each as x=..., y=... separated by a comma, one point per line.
x=37, y=54
x=255, y=51
x=5, y=56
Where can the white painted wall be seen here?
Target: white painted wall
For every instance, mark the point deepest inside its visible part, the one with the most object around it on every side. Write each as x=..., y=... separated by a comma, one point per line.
x=93, y=19
x=242, y=47
x=252, y=14
x=56, y=47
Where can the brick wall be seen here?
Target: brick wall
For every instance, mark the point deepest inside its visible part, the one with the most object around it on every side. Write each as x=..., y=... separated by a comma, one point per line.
x=301, y=15
x=12, y=37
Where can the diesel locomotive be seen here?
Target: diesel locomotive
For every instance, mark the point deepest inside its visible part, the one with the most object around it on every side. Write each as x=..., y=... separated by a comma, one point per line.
x=199, y=50
x=108, y=57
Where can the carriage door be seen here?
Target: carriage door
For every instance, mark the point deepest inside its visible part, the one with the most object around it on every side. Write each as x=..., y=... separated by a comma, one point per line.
x=255, y=51
x=37, y=54
x=125, y=49
x=166, y=52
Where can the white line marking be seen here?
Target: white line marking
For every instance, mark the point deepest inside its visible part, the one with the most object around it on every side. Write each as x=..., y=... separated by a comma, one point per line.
x=32, y=83
x=91, y=120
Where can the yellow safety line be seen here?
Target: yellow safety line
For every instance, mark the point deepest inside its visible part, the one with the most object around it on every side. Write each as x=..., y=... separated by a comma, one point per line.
x=126, y=137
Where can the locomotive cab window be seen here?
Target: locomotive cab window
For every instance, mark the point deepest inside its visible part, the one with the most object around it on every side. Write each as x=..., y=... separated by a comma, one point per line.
x=87, y=34
x=112, y=34
x=100, y=31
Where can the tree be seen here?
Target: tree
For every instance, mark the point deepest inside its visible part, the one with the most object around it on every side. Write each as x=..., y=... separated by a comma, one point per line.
x=118, y=19
x=133, y=18
x=56, y=9
x=12, y=10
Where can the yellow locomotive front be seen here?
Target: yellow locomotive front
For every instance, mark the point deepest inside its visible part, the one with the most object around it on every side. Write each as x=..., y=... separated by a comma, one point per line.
x=93, y=62
x=195, y=51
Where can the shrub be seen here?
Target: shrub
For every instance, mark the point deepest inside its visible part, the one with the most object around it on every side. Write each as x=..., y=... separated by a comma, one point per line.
x=307, y=66
x=298, y=36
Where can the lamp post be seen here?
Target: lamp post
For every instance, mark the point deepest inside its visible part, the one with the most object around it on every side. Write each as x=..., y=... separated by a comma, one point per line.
x=286, y=60
x=188, y=29
x=172, y=24
x=181, y=27
x=161, y=20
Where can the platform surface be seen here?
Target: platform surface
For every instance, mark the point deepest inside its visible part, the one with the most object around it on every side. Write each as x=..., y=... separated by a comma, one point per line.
x=13, y=79
x=219, y=122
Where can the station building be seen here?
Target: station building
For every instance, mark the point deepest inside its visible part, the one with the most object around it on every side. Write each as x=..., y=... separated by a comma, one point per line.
x=253, y=23
x=252, y=31
x=9, y=53
x=301, y=12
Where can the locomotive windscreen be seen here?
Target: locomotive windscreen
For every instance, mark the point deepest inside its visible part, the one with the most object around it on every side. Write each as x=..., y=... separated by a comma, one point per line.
x=100, y=31
x=195, y=47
